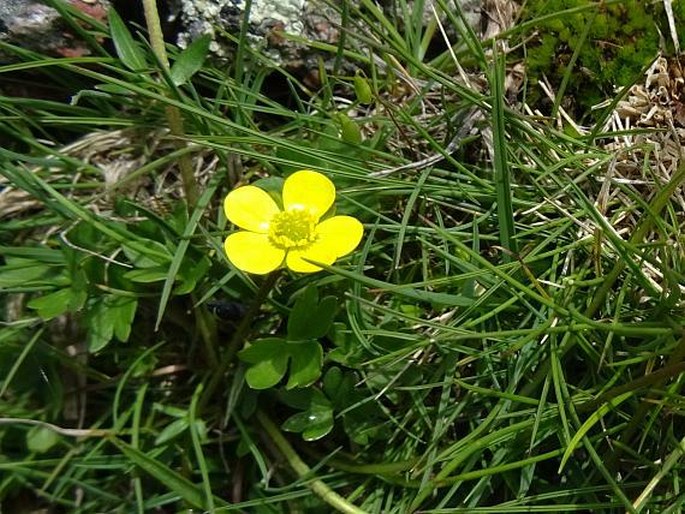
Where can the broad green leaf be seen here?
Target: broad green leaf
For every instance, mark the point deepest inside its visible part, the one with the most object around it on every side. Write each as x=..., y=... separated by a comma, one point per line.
x=269, y=362
x=79, y=286
x=25, y=272
x=320, y=427
x=127, y=49
x=100, y=325
x=298, y=399
x=340, y=336
x=297, y=422
x=78, y=298
x=190, y=60
x=33, y=253
x=322, y=321
x=267, y=373
x=301, y=313
x=40, y=439
x=332, y=380
x=52, y=305
x=108, y=316
x=123, y=310
x=315, y=422
x=306, y=360
x=309, y=318
x=262, y=349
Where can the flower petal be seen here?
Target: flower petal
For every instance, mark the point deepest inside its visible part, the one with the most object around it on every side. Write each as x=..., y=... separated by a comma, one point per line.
x=316, y=252
x=338, y=236
x=250, y=208
x=309, y=190
x=341, y=234
x=253, y=252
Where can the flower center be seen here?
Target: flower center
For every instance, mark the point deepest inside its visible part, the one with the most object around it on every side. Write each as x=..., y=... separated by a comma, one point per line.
x=294, y=228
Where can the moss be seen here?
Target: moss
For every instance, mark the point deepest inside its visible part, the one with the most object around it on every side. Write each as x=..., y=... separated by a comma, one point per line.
x=623, y=38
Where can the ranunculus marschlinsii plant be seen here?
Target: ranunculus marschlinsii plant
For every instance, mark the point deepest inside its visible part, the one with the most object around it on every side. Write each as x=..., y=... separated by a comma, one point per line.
x=272, y=237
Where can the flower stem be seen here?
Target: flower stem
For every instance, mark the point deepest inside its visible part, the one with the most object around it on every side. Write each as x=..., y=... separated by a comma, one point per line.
x=239, y=336
x=303, y=471
x=173, y=115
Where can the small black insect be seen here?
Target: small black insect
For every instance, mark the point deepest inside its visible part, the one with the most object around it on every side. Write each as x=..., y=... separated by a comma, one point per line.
x=227, y=310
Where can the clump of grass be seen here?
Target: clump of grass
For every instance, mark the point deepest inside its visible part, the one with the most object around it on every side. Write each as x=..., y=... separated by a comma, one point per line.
x=507, y=338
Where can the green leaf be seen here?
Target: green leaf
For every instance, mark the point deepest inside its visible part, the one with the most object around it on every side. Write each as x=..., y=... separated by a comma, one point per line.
x=100, y=325
x=40, y=439
x=310, y=319
x=123, y=310
x=200, y=428
x=191, y=273
x=269, y=359
x=110, y=88
x=306, y=360
x=322, y=321
x=33, y=253
x=173, y=429
x=301, y=312
x=127, y=49
x=190, y=60
x=362, y=89
x=332, y=380
x=108, y=316
x=53, y=304
x=169, y=410
x=267, y=373
x=339, y=334
x=315, y=422
x=147, y=275
x=589, y=423
x=298, y=399
x=24, y=272
x=349, y=130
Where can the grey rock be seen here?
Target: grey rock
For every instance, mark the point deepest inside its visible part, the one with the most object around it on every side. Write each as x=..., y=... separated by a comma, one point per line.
x=200, y=17
x=27, y=23
x=312, y=20
x=33, y=25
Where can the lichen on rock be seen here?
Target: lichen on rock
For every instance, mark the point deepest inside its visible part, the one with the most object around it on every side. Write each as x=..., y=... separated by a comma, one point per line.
x=205, y=16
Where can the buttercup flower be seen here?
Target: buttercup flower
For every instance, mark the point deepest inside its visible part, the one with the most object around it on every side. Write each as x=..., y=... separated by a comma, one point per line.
x=272, y=236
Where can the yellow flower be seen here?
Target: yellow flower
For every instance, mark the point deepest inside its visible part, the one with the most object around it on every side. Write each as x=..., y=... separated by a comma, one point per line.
x=272, y=236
